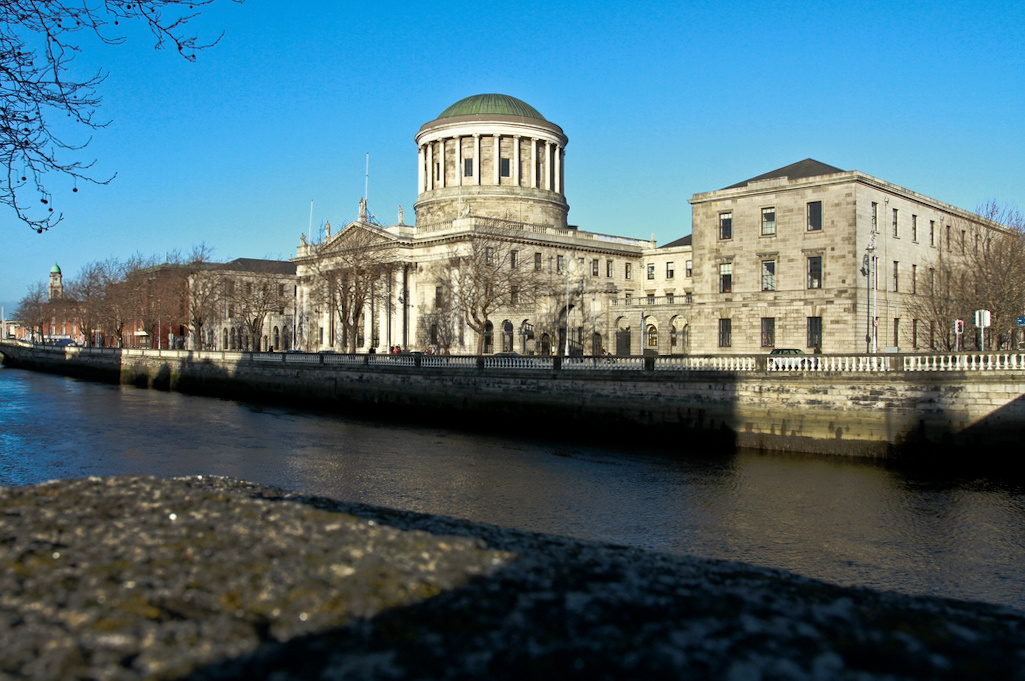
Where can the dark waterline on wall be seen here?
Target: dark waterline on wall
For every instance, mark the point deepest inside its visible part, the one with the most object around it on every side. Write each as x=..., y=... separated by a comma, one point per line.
x=849, y=522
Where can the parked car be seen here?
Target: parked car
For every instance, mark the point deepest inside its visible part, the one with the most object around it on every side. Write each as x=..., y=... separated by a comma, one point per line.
x=776, y=360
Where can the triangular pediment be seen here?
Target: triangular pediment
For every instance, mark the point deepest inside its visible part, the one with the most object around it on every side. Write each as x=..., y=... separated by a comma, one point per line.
x=357, y=235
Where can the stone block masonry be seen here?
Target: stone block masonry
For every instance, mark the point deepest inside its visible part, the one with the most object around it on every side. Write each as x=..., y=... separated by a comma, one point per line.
x=922, y=413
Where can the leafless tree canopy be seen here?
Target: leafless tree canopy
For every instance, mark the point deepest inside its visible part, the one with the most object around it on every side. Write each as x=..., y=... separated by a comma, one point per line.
x=982, y=268
x=490, y=275
x=355, y=273
x=39, y=40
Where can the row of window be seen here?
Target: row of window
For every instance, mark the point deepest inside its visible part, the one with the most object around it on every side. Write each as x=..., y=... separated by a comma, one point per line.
x=813, y=214
x=560, y=264
x=768, y=332
x=768, y=274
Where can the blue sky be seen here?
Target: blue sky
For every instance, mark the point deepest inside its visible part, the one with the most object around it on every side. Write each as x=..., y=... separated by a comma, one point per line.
x=658, y=102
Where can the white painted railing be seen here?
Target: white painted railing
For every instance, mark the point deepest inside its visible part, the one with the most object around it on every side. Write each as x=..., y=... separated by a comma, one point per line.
x=880, y=363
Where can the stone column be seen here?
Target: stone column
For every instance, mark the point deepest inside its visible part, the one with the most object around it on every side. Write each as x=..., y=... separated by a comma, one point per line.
x=558, y=168
x=476, y=158
x=421, y=186
x=548, y=166
x=441, y=162
x=459, y=161
x=430, y=166
x=533, y=163
x=516, y=160
x=496, y=158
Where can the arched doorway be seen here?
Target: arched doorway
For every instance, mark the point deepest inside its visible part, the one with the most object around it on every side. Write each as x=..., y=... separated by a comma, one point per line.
x=596, y=345
x=507, y=336
x=489, y=338
x=546, y=344
x=651, y=340
x=622, y=337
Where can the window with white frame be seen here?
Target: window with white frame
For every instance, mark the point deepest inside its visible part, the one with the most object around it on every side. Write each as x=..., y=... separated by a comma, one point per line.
x=726, y=225
x=768, y=275
x=725, y=333
x=725, y=277
x=769, y=221
x=815, y=271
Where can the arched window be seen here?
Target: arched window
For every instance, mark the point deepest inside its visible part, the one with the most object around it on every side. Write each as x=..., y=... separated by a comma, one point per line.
x=224, y=345
x=546, y=344
x=277, y=339
x=596, y=345
x=652, y=336
x=673, y=338
x=286, y=339
x=489, y=338
x=233, y=340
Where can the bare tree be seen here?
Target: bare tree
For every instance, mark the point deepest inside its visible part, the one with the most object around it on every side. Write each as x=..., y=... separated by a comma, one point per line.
x=38, y=88
x=33, y=310
x=85, y=294
x=201, y=287
x=354, y=269
x=252, y=290
x=981, y=267
x=489, y=275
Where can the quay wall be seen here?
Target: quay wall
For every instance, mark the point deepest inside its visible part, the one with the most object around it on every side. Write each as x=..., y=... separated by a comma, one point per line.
x=854, y=413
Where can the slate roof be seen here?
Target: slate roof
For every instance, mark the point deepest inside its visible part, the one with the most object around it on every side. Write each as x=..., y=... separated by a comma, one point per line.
x=683, y=241
x=809, y=167
x=257, y=266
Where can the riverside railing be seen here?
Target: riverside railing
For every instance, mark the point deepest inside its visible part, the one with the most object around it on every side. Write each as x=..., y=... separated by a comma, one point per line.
x=814, y=364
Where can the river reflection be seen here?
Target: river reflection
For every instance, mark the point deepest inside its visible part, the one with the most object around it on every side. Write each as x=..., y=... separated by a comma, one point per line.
x=852, y=523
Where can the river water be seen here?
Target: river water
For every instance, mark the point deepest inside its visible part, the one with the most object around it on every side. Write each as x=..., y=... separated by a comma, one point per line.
x=847, y=522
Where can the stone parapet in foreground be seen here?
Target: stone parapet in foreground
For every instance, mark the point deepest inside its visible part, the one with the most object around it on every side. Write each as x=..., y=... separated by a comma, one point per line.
x=214, y=578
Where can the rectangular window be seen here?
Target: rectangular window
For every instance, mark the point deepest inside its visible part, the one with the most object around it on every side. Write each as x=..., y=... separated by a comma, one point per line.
x=467, y=167
x=726, y=277
x=896, y=276
x=932, y=232
x=914, y=333
x=670, y=298
x=896, y=234
x=504, y=167
x=768, y=221
x=670, y=271
x=439, y=298
x=768, y=332
x=725, y=225
x=560, y=263
x=627, y=271
x=537, y=262
x=512, y=258
x=914, y=228
x=651, y=271
x=489, y=255
x=514, y=294
x=896, y=332
x=815, y=271
x=608, y=268
x=815, y=332
x=914, y=279
x=689, y=269
x=875, y=217
x=594, y=267
x=948, y=237
x=651, y=299
x=725, y=333
x=768, y=275
x=814, y=216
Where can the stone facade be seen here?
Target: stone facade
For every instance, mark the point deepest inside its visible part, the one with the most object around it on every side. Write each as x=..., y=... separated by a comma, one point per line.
x=806, y=256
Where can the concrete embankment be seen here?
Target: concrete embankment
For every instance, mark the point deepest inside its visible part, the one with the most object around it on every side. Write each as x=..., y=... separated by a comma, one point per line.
x=213, y=578
x=933, y=414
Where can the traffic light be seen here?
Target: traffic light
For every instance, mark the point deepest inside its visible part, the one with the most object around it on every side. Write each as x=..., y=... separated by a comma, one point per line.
x=959, y=326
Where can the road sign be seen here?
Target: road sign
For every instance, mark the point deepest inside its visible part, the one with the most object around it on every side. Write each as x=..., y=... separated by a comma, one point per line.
x=1021, y=321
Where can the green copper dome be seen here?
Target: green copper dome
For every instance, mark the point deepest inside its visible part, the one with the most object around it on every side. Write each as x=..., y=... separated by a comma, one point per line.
x=55, y=269
x=491, y=104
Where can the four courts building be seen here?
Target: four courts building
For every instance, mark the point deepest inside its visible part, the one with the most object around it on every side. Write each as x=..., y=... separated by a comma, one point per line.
x=806, y=256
